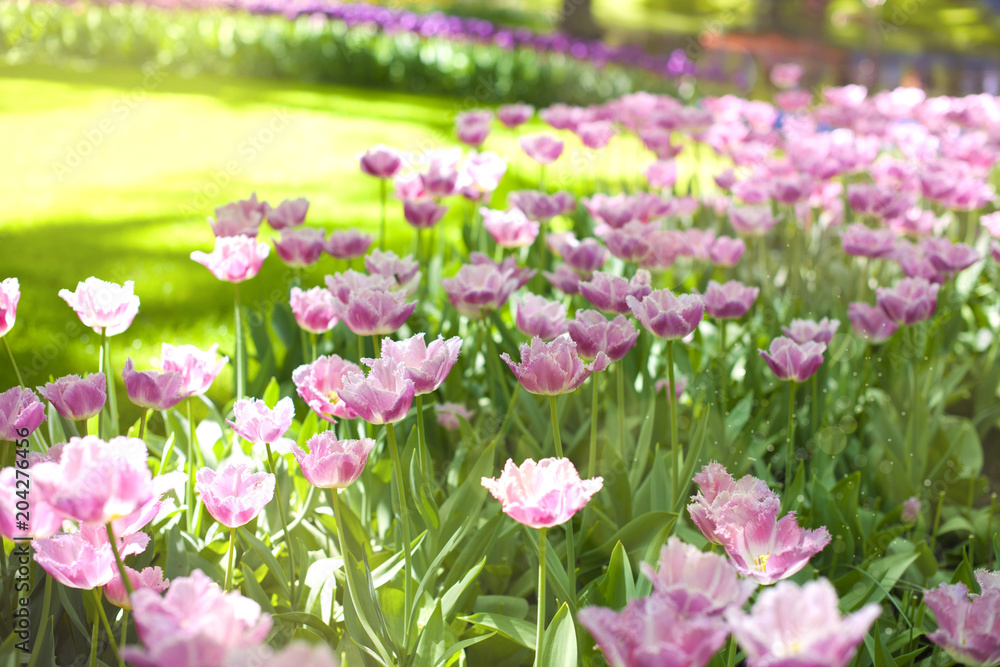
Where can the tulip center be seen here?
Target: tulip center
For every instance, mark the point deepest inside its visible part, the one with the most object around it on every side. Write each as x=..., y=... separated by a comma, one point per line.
x=332, y=396
x=760, y=562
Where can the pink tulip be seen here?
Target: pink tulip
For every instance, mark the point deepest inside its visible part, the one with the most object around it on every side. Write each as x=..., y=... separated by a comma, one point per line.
x=96, y=481
x=541, y=206
x=384, y=396
x=234, y=258
x=615, y=212
x=792, y=101
x=537, y=316
x=667, y=316
x=910, y=301
x=793, y=626
x=871, y=322
x=680, y=384
x=423, y=213
x=381, y=162
x=968, y=624
x=730, y=300
x=43, y=521
x=448, y=414
x=513, y=115
x=662, y=174
x=473, y=126
x=314, y=309
x=861, y=241
x=480, y=175
x=949, y=257
x=786, y=75
x=289, y=213
x=332, y=463
x=911, y=510
x=594, y=135
x=585, y=256
x=727, y=251
x=198, y=368
x=564, y=279
x=196, y=624
x=239, y=218
x=299, y=248
x=520, y=274
x=543, y=494
x=478, y=288
x=721, y=499
x=151, y=578
x=553, y=368
x=20, y=410
x=510, y=229
x=103, y=306
x=848, y=97
x=542, y=148
x=342, y=285
x=410, y=187
x=725, y=179
x=789, y=360
x=84, y=559
x=152, y=389
x=234, y=495
x=75, y=398
x=371, y=311
x=652, y=631
x=10, y=294
x=348, y=244
x=561, y=116
x=696, y=582
x=991, y=222
x=803, y=331
x=631, y=243
x=255, y=422
x=319, y=385
x=752, y=220
x=610, y=293
x=754, y=190
x=594, y=334
x=995, y=251
x=441, y=177
x=426, y=365
x=404, y=271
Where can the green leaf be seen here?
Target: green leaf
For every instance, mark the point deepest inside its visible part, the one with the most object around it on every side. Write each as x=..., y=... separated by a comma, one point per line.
x=634, y=535
x=738, y=417
x=321, y=580
x=638, y=465
x=882, y=657
x=262, y=552
x=449, y=601
x=517, y=630
x=460, y=646
x=618, y=585
x=253, y=590
x=506, y=605
x=309, y=428
x=313, y=621
x=431, y=643
x=559, y=641
x=691, y=460
x=272, y=392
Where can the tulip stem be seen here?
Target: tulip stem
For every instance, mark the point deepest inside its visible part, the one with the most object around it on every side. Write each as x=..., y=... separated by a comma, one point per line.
x=93, y=642
x=375, y=346
x=118, y=561
x=142, y=423
x=555, y=426
x=620, y=373
x=13, y=363
x=397, y=469
x=731, y=654
x=592, y=465
x=107, y=626
x=570, y=543
x=124, y=632
x=541, y=595
x=422, y=454
x=239, y=345
x=724, y=376
x=790, y=447
x=112, y=395
x=232, y=553
x=46, y=605
x=382, y=189
x=284, y=527
x=674, y=466
x=189, y=490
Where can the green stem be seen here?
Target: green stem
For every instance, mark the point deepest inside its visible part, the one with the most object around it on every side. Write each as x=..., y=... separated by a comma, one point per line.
x=112, y=395
x=570, y=542
x=189, y=490
x=724, y=380
x=124, y=632
x=937, y=520
x=397, y=469
x=232, y=553
x=101, y=368
x=107, y=626
x=142, y=423
x=674, y=466
x=790, y=446
x=592, y=467
x=375, y=347
x=314, y=348
x=422, y=454
x=382, y=237
x=93, y=641
x=555, y=426
x=239, y=344
x=284, y=526
x=621, y=408
x=118, y=561
x=13, y=363
x=814, y=415
x=542, y=567
x=46, y=605
x=731, y=654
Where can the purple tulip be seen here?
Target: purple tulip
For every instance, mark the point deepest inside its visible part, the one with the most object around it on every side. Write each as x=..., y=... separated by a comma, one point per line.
x=697, y=583
x=10, y=294
x=752, y=220
x=384, y=396
x=299, y=248
x=596, y=134
x=667, y=316
x=448, y=414
x=949, y=257
x=541, y=206
x=542, y=148
x=585, y=256
x=404, y=271
x=241, y=218
x=726, y=251
x=911, y=510
x=426, y=365
x=255, y=422
x=871, y=322
x=331, y=463
x=730, y=300
x=371, y=309
x=721, y=499
x=793, y=626
x=314, y=309
x=789, y=360
x=423, y=213
x=803, y=331
x=234, y=495
x=234, y=258
x=199, y=368
x=478, y=288
x=473, y=126
x=968, y=625
x=510, y=229
x=381, y=162
x=480, y=174
x=537, y=316
x=593, y=334
x=513, y=115
x=610, y=293
x=289, y=213
x=662, y=174
x=859, y=240
x=77, y=398
x=319, y=385
x=631, y=243
x=553, y=368
x=910, y=301
x=348, y=244
x=150, y=389
x=564, y=279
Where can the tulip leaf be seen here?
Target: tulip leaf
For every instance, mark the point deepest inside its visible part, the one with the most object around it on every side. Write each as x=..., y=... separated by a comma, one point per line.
x=467, y=501
x=618, y=585
x=634, y=535
x=515, y=629
x=252, y=589
x=321, y=580
x=262, y=552
x=691, y=459
x=313, y=621
x=476, y=547
x=450, y=599
x=362, y=615
x=432, y=571
x=272, y=392
x=641, y=453
x=431, y=643
x=507, y=605
x=881, y=656
x=559, y=641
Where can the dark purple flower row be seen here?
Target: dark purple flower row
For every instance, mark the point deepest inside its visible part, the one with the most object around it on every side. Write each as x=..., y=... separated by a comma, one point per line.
x=440, y=25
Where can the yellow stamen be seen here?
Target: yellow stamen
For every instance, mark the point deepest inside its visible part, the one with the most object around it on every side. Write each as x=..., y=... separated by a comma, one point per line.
x=760, y=562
